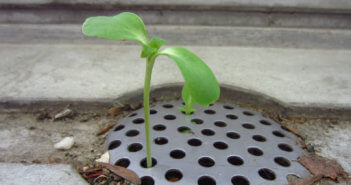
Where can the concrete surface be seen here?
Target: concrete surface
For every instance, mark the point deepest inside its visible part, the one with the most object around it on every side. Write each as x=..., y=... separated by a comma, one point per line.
x=21, y=174
x=91, y=72
x=186, y=35
x=331, y=5
x=164, y=16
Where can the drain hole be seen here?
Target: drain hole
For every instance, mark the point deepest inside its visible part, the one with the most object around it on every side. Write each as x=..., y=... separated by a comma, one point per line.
x=240, y=180
x=285, y=147
x=284, y=128
x=138, y=121
x=132, y=133
x=231, y=116
x=247, y=113
x=228, y=107
x=206, y=162
x=194, y=142
x=278, y=134
x=169, y=117
x=167, y=106
x=206, y=180
x=208, y=132
x=235, y=160
x=120, y=127
x=161, y=140
x=173, y=175
x=264, y=122
x=233, y=135
x=146, y=180
x=220, y=124
x=282, y=161
x=259, y=138
x=135, y=147
x=248, y=126
x=177, y=154
x=220, y=145
x=143, y=162
x=184, y=130
x=114, y=144
x=197, y=121
x=266, y=174
x=132, y=115
x=209, y=111
x=159, y=127
x=255, y=151
x=152, y=111
x=124, y=162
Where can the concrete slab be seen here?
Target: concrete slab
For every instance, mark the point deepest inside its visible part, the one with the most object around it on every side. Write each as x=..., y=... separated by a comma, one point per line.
x=297, y=77
x=336, y=6
x=186, y=35
x=21, y=174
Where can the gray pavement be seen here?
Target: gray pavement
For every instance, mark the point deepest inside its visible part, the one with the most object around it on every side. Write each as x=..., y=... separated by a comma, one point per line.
x=340, y=5
x=30, y=174
x=301, y=77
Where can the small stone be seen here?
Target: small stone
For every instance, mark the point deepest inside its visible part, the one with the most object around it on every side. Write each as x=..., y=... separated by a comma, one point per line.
x=63, y=114
x=85, y=168
x=65, y=144
x=105, y=158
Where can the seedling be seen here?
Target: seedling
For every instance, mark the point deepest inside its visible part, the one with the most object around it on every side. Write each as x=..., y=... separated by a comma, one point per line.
x=201, y=86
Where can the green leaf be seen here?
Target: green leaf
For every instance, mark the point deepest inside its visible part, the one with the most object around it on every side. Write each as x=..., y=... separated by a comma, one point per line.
x=188, y=101
x=201, y=84
x=124, y=26
x=147, y=51
x=157, y=42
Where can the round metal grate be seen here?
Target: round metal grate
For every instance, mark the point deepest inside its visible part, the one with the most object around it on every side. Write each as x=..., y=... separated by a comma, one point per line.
x=219, y=144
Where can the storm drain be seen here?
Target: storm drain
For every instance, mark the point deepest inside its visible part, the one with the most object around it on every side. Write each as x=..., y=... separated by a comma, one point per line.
x=220, y=144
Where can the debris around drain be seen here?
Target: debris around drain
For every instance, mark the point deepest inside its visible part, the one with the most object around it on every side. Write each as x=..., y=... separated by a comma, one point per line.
x=104, y=130
x=65, y=144
x=296, y=120
x=66, y=113
x=123, y=172
x=294, y=131
x=114, y=111
x=105, y=158
x=323, y=167
x=99, y=175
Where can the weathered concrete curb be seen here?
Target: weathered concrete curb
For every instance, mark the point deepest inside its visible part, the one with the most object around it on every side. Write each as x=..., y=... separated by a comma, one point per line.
x=302, y=5
x=30, y=174
x=186, y=35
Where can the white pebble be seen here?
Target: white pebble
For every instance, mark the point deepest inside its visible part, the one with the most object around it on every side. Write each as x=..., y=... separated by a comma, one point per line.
x=105, y=158
x=65, y=144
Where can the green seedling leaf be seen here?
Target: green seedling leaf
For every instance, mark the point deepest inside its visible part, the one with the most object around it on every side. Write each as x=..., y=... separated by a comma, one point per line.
x=157, y=42
x=201, y=85
x=147, y=51
x=189, y=103
x=124, y=26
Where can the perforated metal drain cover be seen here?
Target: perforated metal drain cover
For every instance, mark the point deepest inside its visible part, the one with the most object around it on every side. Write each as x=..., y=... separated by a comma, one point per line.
x=220, y=144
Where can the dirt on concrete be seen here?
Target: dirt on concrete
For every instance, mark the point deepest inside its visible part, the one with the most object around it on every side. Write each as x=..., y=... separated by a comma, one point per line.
x=30, y=137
